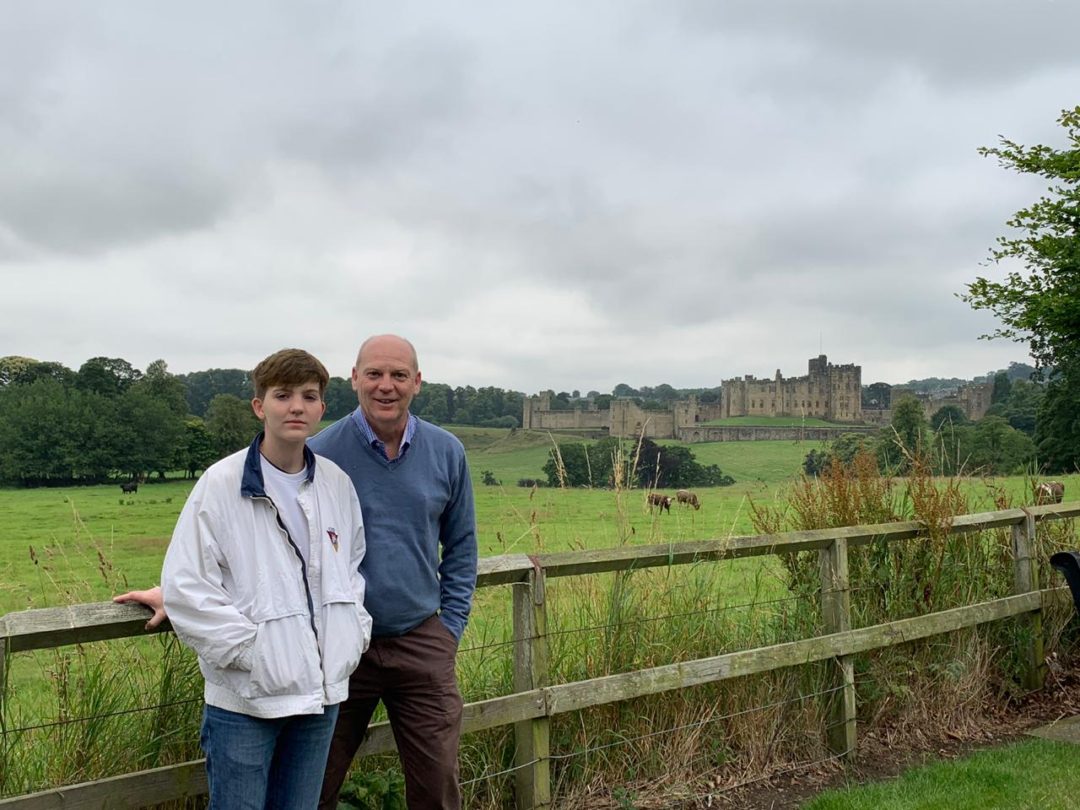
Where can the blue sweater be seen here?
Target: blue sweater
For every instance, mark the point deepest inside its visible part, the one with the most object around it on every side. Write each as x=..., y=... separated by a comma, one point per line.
x=419, y=523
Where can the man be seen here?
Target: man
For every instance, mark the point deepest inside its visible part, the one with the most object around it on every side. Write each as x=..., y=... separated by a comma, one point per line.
x=261, y=579
x=419, y=521
x=413, y=482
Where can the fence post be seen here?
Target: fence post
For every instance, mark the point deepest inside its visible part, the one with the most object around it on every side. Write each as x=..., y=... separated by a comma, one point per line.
x=836, y=613
x=532, y=777
x=3, y=675
x=1026, y=579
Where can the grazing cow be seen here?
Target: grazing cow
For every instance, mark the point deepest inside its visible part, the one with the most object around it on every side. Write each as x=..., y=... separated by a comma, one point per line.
x=1049, y=492
x=663, y=501
x=131, y=486
x=688, y=498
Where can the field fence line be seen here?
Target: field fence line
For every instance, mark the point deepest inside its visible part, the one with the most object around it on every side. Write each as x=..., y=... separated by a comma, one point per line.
x=568, y=631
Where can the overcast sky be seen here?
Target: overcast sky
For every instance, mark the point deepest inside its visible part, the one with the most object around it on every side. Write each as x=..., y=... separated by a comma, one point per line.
x=544, y=195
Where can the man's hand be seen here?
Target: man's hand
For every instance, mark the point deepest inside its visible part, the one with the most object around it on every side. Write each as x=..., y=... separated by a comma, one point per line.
x=151, y=598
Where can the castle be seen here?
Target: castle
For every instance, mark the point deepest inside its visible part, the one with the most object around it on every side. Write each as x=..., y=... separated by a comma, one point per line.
x=826, y=392
x=829, y=392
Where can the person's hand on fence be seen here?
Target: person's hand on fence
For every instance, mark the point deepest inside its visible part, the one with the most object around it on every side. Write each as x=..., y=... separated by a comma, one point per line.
x=150, y=598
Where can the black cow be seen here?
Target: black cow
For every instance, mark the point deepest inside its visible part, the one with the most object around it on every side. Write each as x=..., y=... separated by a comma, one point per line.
x=131, y=486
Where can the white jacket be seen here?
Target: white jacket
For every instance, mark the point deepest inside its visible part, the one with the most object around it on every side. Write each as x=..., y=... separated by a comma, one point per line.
x=274, y=637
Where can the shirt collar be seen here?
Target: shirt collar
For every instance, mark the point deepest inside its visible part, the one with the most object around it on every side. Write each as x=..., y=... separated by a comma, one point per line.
x=379, y=444
x=251, y=482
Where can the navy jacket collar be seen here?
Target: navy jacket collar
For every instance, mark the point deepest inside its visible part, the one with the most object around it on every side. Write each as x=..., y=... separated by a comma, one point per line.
x=252, y=485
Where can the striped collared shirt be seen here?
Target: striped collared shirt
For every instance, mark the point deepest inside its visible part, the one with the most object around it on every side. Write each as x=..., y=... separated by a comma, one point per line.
x=379, y=444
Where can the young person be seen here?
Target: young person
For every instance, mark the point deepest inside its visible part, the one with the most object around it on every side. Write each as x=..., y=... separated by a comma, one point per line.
x=262, y=580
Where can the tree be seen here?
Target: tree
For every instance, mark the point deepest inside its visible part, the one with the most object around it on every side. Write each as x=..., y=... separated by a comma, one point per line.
x=903, y=440
x=203, y=386
x=152, y=433
x=948, y=415
x=877, y=395
x=108, y=376
x=998, y=448
x=843, y=450
x=161, y=386
x=231, y=423
x=1002, y=386
x=1040, y=305
x=673, y=465
x=581, y=464
x=198, y=447
x=12, y=367
x=340, y=398
x=1022, y=407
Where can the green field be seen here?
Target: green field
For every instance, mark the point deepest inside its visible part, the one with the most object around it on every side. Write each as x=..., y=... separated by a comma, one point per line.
x=90, y=541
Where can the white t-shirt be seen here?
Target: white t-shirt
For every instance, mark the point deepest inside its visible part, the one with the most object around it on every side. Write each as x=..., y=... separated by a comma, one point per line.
x=283, y=489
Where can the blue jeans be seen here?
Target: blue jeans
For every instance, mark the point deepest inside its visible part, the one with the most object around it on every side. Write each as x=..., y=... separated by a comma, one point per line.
x=257, y=764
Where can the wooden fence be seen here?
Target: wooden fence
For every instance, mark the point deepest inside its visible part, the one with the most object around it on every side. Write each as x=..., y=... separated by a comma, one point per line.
x=535, y=700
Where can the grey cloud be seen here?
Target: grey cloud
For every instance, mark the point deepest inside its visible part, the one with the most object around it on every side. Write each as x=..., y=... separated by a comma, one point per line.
x=959, y=42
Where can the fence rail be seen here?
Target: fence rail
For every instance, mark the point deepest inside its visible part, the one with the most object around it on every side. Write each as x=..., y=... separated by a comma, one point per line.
x=535, y=701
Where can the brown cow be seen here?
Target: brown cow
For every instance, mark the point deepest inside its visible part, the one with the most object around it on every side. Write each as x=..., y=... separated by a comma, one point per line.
x=663, y=501
x=1049, y=492
x=688, y=498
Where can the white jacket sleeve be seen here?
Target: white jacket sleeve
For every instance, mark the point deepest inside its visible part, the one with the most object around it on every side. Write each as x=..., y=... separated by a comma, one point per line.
x=200, y=609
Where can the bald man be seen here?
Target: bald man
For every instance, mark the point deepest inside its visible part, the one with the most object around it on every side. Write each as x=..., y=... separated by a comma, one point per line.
x=420, y=569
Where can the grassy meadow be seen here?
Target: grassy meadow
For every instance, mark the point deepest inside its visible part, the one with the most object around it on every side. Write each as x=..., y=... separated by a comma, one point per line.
x=60, y=546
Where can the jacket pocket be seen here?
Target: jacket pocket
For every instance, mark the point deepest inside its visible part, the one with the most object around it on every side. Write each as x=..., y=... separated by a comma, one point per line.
x=285, y=659
x=346, y=635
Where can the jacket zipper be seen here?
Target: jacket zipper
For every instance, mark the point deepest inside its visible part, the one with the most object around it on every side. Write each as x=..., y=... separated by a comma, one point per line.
x=304, y=576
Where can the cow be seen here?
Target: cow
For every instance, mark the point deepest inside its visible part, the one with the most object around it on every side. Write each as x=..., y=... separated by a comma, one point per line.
x=1049, y=492
x=131, y=486
x=663, y=501
x=688, y=498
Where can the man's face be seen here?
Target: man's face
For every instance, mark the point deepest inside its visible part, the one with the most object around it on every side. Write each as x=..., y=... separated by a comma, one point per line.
x=290, y=413
x=386, y=379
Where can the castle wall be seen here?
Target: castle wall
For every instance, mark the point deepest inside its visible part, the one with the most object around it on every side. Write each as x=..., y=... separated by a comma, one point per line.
x=628, y=419
x=827, y=392
x=973, y=399
x=749, y=433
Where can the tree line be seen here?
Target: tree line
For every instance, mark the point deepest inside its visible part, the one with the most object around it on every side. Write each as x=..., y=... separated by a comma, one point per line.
x=614, y=462
x=109, y=420
x=1000, y=443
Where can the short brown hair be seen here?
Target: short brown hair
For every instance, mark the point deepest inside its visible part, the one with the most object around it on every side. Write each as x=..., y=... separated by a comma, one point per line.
x=287, y=368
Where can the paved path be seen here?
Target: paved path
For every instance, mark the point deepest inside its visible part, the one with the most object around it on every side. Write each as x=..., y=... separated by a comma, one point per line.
x=1067, y=729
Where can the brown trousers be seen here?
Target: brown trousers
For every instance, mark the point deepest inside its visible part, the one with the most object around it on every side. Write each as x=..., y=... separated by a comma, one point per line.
x=414, y=677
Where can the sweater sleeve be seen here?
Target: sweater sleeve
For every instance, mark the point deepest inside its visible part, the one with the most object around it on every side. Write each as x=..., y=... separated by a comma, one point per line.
x=457, y=535
x=358, y=548
x=200, y=609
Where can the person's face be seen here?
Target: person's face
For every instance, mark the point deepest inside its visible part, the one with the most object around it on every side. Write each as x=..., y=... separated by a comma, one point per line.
x=386, y=379
x=290, y=413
